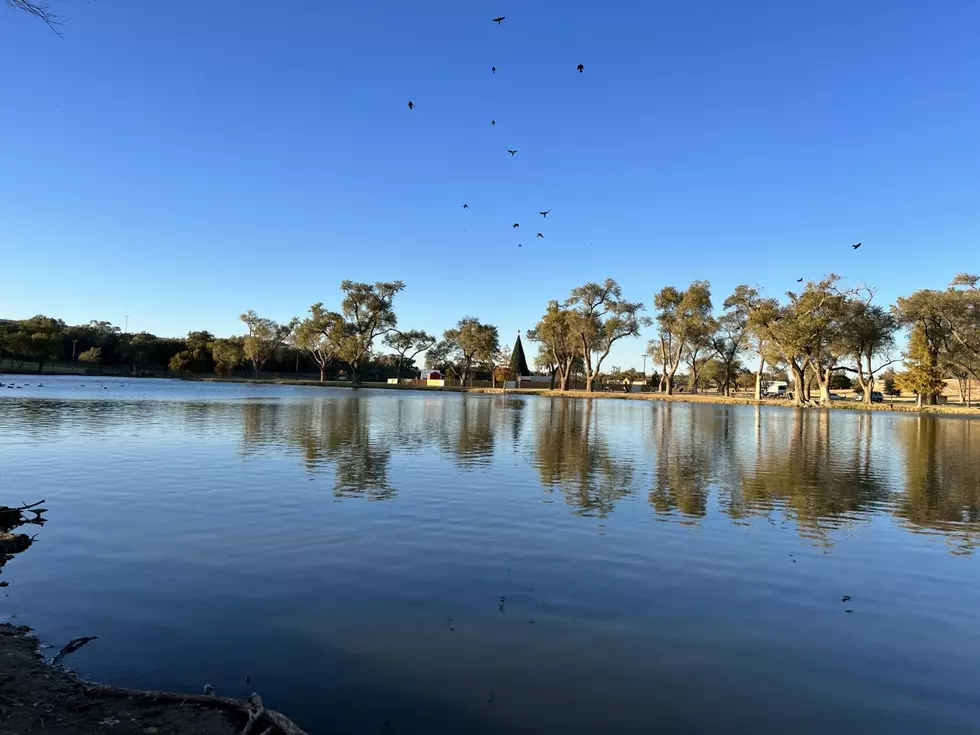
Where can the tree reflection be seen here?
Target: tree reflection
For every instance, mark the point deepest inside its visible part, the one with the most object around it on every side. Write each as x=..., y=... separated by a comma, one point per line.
x=465, y=430
x=942, y=478
x=816, y=477
x=335, y=432
x=571, y=454
x=686, y=449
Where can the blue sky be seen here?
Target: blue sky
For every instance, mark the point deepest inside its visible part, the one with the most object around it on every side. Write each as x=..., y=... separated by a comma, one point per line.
x=183, y=161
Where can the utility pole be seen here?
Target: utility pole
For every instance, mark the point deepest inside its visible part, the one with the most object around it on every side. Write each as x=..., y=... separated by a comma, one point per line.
x=126, y=329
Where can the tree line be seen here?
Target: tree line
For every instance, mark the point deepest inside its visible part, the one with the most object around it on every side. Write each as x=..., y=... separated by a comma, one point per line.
x=822, y=334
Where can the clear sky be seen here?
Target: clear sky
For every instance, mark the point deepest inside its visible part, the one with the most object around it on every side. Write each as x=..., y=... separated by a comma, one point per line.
x=182, y=161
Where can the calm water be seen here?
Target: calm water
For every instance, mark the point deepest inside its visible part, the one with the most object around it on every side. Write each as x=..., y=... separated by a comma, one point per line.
x=437, y=563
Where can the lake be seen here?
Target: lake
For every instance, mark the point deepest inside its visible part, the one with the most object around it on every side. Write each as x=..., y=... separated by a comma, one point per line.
x=412, y=562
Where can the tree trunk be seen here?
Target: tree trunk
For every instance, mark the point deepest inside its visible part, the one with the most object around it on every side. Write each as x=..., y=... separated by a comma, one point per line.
x=323, y=373
x=668, y=381
x=588, y=381
x=563, y=380
x=758, y=379
x=799, y=383
x=918, y=400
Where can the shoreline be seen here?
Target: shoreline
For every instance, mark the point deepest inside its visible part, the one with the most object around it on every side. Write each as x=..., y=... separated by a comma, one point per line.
x=947, y=410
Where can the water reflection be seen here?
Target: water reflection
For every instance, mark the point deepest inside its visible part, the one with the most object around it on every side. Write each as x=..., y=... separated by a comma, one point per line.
x=942, y=479
x=572, y=454
x=816, y=470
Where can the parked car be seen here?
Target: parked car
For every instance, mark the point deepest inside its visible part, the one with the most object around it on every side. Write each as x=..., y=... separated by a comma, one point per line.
x=836, y=397
x=877, y=397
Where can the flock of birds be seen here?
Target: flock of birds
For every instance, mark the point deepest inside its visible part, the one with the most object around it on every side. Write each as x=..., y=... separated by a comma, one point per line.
x=493, y=123
x=513, y=151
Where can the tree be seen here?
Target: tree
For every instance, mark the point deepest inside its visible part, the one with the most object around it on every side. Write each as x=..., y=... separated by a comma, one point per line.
x=199, y=345
x=518, y=363
x=682, y=316
x=806, y=333
x=839, y=381
x=227, y=354
x=264, y=338
x=403, y=343
x=469, y=342
x=321, y=335
x=38, y=338
x=601, y=318
x=556, y=335
x=442, y=356
x=92, y=355
x=922, y=376
x=369, y=313
x=888, y=383
x=868, y=333
x=732, y=334
x=925, y=314
x=182, y=362
x=500, y=367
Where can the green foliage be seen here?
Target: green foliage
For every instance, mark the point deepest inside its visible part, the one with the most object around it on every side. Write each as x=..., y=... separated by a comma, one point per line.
x=839, y=381
x=182, y=362
x=412, y=341
x=227, y=354
x=92, y=355
x=369, y=313
x=559, y=347
x=922, y=375
x=470, y=342
x=599, y=318
x=264, y=338
x=684, y=320
x=518, y=362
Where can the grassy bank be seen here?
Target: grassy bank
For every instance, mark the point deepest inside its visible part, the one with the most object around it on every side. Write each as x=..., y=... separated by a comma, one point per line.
x=899, y=406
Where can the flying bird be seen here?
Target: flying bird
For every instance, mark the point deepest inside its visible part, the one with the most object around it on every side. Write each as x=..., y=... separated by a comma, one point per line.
x=540, y=235
x=493, y=123
x=581, y=68
x=466, y=206
x=516, y=224
x=498, y=20
x=856, y=246
x=411, y=105
x=545, y=213
x=512, y=151
x=519, y=245
x=799, y=280
x=493, y=70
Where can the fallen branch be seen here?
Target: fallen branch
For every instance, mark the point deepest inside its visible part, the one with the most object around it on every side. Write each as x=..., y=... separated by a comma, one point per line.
x=246, y=707
x=73, y=645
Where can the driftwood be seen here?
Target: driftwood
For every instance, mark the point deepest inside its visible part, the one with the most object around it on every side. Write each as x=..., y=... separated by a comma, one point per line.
x=10, y=517
x=73, y=645
x=252, y=707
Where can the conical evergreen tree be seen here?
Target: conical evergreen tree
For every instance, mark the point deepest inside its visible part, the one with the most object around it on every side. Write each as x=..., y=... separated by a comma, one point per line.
x=518, y=363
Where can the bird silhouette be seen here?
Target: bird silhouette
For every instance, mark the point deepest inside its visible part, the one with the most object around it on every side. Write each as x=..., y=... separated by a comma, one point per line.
x=512, y=151
x=493, y=123
x=411, y=105
x=498, y=20
x=493, y=70
x=581, y=68
x=545, y=213
x=466, y=206
x=799, y=280
x=856, y=246
x=519, y=245
x=516, y=224
x=540, y=235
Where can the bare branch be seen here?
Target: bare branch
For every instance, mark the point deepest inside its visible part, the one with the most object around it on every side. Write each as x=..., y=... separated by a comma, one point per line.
x=38, y=10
